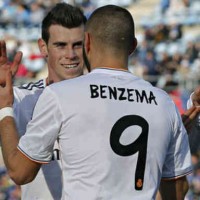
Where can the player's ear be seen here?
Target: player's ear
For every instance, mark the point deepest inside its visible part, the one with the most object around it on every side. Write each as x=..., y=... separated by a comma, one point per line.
x=133, y=47
x=43, y=47
x=87, y=42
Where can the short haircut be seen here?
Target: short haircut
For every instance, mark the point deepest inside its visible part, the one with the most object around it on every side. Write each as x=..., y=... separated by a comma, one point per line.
x=112, y=26
x=62, y=14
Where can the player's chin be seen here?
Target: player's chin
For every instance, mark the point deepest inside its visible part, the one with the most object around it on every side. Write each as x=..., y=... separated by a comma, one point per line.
x=73, y=72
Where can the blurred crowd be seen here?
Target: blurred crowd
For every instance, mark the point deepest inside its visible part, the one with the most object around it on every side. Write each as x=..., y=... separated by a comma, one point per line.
x=168, y=53
x=8, y=190
x=194, y=179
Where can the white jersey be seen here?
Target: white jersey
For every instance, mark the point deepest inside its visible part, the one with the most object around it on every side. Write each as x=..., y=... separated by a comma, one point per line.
x=47, y=184
x=118, y=136
x=194, y=137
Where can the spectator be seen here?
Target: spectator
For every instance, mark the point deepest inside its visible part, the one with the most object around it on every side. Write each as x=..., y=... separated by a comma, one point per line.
x=37, y=12
x=151, y=67
x=164, y=4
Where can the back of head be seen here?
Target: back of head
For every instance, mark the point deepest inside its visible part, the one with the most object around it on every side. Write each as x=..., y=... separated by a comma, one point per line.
x=62, y=14
x=112, y=26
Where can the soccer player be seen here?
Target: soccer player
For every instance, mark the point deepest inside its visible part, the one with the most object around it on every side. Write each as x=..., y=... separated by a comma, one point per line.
x=61, y=46
x=118, y=135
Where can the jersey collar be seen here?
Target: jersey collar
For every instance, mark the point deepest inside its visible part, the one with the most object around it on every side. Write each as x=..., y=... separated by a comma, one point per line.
x=107, y=69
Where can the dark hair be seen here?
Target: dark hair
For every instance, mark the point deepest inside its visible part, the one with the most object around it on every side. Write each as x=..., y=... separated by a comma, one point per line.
x=62, y=14
x=112, y=26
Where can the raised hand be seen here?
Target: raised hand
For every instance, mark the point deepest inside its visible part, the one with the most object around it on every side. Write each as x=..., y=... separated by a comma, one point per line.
x=6, y=91
x=189, y=116
x=196, y=96
x=5, y=65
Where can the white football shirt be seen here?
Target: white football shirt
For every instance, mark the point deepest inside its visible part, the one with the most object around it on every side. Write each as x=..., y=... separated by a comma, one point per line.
x=47, y=184
x=118, y=136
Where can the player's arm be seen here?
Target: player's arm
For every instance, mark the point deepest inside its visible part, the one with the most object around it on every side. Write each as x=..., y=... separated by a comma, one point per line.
x=20, y=168
x=174, y=189
x=5, y=65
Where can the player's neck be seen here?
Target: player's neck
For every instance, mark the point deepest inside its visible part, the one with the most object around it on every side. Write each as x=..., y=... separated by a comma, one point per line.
x=109, y=62
x=49, y=81
x=112, y=67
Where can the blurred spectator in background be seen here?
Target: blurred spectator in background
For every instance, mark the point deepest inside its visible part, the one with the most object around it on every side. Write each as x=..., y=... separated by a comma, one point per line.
x=194, y=179
x=191, y=51
x=36, y=13
x=142, y=50
x=175, y=30
x=88, y=7
x=22, y=14
x=163, y=63
x=8, y=12
x=161, y=33
x=164, y=4
x=174, y=63
x=171, y=87
x=8, y=190
x=151, y=67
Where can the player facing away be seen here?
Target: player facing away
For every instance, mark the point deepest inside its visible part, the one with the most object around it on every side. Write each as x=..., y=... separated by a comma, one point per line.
x=61, y=46
x=118, y=135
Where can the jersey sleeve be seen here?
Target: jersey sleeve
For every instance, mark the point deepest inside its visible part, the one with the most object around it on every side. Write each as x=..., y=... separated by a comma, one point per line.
x=24, y=103
x=189, y=102
x=194, y=136
x=20, y=113
x=42, y=131
x=196, y=124
x=178, y=159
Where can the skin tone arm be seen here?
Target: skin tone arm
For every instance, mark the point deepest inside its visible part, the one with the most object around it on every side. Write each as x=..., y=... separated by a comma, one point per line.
x=175, y=189
x=20, y=168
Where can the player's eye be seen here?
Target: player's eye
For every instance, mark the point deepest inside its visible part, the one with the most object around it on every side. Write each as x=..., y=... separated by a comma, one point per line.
x=60, y=45
x=78, y=44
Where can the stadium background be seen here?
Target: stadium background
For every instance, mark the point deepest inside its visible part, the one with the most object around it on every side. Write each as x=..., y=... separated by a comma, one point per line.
x=168, y=33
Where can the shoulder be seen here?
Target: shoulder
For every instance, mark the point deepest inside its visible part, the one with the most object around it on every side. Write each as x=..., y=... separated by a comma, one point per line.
x=32, y=88
x=68, y=84
x=160, y=94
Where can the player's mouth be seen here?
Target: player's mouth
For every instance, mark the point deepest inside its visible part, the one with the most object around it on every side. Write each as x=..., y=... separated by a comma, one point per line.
x=70, y=66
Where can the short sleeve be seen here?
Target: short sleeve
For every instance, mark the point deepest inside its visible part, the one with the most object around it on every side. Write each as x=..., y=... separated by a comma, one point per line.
x=189, y=102
x=178, y=159
x=42, y=131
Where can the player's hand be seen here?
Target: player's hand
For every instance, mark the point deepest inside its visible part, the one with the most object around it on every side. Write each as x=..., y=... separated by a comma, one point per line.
x=5, y=65
x=189, y=116
x=6, y=92
x=196, y=97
